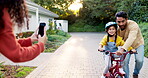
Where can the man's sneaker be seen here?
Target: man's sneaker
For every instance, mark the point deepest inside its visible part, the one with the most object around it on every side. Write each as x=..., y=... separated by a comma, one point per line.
x=102, y=76
x=121, y=70
x=135, y=76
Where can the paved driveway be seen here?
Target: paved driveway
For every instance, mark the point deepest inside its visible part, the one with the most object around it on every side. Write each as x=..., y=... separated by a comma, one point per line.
x=77, y=58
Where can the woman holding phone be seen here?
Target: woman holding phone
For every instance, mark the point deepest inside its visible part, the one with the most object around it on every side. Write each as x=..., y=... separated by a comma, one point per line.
x=17, y=50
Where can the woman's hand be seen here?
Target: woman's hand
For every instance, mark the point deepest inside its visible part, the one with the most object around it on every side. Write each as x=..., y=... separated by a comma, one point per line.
x=42, y=39
x=34, y=36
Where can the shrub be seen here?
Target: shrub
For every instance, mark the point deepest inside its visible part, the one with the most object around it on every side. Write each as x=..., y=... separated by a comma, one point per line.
x=87, y=28
x=55, y=41
x=50, y=32
x=23, y=71
x=61, y=33
x=80, y=26
x=1, y=68
x=10, y=71
x=144, y=30
x=56, y=38
x=24, y=34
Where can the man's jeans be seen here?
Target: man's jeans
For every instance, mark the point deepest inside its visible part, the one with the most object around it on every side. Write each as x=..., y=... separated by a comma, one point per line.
x=139, y=58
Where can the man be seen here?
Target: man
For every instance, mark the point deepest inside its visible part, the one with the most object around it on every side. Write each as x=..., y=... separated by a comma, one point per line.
x=131, y=34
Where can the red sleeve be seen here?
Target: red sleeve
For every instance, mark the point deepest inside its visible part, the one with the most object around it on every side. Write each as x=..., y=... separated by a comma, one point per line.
x=26, y=42
x=10, y=47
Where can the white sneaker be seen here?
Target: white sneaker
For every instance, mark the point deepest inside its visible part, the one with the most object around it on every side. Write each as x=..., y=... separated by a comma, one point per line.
x=102, y=76
x=121, y=70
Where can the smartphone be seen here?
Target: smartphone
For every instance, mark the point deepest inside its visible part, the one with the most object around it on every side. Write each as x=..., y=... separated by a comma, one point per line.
x=41, y=29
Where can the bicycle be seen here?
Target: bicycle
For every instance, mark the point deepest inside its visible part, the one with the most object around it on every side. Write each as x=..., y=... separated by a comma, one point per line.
x=114, y=69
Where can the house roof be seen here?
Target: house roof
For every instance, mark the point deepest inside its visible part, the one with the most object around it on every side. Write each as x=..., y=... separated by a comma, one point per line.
x=41, y=9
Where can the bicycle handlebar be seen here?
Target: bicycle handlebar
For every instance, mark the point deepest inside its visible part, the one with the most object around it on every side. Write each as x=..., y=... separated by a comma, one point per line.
x=131, y=52
x=111, y=53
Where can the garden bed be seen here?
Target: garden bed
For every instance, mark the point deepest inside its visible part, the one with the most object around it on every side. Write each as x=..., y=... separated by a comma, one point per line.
x=10, y=71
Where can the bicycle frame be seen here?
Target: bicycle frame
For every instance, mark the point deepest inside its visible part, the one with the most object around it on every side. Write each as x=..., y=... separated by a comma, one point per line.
x=114, y=69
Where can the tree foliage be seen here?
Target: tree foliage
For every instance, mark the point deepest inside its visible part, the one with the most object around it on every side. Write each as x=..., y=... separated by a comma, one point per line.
x=139, y=11
x=136, y=9
x=95, y=12
x=59, y=7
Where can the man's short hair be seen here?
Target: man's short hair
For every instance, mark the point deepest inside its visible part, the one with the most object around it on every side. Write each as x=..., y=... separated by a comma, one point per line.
x=121, y=14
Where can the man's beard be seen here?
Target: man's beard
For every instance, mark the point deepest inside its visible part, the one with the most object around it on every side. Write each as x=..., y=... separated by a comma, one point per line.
x=122, y=28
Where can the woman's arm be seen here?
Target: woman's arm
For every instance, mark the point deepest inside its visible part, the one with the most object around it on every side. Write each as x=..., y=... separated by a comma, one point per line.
x=10, y=47
x=26, y=42
x=14, y=51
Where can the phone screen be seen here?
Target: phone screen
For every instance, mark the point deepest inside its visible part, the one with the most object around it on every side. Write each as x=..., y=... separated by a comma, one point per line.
x=41, y=29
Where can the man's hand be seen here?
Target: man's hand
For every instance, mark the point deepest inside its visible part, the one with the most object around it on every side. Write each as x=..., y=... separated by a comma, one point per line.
x=133, y=50
x=120, y=52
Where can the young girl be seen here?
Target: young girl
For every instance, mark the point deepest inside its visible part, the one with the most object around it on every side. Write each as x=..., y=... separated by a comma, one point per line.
x=111, y=42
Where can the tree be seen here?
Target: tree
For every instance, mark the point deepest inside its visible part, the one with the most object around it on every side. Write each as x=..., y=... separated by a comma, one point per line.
x=136, y=9
x=59, y=7
x=139, y=11
x=98, y=11
x=95, y=12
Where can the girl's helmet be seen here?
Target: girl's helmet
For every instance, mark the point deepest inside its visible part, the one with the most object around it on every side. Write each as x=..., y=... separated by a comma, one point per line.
x=111, y=24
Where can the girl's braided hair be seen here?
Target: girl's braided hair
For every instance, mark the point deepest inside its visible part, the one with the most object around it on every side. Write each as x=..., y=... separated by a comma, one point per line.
x=17, y=10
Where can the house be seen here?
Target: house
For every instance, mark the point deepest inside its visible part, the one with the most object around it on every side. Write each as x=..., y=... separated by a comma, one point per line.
x=37, y=14
x=62, y=25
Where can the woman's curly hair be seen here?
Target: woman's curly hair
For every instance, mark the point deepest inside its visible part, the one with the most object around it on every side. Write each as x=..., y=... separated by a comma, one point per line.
x=17, y=10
